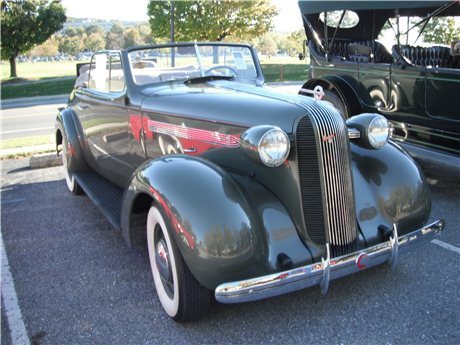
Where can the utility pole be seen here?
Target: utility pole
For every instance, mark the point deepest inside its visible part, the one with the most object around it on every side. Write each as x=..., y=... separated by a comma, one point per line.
x=172, y=21
x=173, y=62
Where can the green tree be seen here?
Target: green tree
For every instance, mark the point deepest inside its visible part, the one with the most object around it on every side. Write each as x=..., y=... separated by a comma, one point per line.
x=94, y=41
x=132, y=38
x=94, y=29
x=115, y=38
x=296, y=40
x=145, y=33
x=75, y=32
x=71, y=45
x=441, y=30
x=267, y=45
x=26, y=23
x=49, y=48
x=213, y=20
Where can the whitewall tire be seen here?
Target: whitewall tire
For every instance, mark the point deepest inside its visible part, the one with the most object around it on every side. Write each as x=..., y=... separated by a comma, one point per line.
x=72, y=185
x=180, y=294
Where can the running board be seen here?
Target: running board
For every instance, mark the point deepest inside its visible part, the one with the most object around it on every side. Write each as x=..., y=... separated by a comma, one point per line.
x=104, y=194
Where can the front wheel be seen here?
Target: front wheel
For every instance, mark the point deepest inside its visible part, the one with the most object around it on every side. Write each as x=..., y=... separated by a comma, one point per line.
x=333, y=98
x=181, y=295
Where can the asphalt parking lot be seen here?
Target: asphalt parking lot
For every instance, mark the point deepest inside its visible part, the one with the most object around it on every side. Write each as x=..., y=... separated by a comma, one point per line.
x=78, y=283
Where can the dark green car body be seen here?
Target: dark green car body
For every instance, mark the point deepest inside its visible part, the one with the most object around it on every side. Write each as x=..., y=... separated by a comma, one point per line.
x=415, y=85
x=185, y=146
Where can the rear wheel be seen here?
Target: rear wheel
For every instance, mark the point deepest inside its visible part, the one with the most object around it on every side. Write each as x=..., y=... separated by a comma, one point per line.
x=71, y=183
x=181, y=295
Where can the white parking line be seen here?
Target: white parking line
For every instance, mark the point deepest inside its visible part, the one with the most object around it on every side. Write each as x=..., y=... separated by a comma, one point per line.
x=10, y=303
x=446, y=246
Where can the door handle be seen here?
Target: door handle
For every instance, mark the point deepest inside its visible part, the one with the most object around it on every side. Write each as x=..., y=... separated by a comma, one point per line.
x=82, y=107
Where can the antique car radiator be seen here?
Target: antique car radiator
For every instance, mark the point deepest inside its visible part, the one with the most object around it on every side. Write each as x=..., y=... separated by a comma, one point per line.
x=325, y=181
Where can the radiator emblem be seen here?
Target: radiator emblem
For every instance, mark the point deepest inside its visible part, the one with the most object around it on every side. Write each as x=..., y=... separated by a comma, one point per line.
x=329, y=138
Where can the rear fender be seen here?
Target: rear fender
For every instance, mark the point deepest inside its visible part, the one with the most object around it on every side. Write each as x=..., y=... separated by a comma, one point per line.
x=221, y=235
x=65, y=126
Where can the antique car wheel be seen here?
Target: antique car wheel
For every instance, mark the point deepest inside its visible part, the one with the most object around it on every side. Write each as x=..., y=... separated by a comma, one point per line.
x=181, y=295
x=72, y=185
x=333, y=98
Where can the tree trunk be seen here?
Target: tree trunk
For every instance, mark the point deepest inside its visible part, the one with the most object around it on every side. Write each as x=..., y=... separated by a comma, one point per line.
x=13, y=73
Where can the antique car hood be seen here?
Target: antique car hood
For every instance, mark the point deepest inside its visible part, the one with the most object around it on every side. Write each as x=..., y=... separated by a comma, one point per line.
x=227, y=102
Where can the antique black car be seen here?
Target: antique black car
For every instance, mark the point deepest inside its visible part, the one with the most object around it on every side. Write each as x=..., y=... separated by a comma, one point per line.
x=370, y=57
x=241, y=192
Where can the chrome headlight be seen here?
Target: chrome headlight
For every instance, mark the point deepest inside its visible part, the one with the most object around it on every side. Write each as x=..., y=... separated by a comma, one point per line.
x=267, y=144
x=373, y=128
x=378, y=132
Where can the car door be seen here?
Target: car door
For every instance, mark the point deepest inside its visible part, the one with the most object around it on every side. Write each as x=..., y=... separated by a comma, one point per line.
x=105, y=121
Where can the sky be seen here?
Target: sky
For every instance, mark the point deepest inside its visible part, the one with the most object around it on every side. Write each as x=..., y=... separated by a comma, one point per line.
x=288, y=19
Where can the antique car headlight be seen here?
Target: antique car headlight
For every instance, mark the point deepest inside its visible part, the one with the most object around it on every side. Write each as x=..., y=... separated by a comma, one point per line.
x=373, y=128
x=267, y=144
x=378, y=132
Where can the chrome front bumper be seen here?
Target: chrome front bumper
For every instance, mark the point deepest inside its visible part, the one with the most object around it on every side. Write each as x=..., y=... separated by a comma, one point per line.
x=329, y=269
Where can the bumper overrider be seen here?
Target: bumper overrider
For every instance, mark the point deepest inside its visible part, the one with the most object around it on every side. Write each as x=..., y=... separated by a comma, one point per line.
x=322, y=273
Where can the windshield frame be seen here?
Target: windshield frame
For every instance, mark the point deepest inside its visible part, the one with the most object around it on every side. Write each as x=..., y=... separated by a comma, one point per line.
x=258, y=79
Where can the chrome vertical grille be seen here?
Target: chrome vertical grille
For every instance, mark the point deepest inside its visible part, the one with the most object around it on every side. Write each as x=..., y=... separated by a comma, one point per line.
x=325, y=180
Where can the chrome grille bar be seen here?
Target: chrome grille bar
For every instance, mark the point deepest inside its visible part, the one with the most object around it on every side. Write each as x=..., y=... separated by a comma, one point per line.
x=333, y=155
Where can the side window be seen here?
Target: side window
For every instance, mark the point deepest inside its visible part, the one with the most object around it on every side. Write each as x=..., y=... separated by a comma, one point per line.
x=106, y=73
x=99, y=72
x=117, y=78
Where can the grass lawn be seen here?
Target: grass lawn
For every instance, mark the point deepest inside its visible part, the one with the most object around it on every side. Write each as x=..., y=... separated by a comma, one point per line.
x=284, y=72
x=42, y=88
x=37, y=70
x=34, y=76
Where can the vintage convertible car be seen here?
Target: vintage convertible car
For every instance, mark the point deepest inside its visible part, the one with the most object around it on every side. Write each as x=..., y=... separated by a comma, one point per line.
x=241, y=191
x=370, y=58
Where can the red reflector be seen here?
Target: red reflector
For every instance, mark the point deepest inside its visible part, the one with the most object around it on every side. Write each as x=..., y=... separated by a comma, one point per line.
x=362, y=260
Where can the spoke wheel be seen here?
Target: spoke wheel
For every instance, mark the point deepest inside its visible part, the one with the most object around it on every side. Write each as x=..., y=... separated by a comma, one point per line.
x=333, y=98
x=181, y=295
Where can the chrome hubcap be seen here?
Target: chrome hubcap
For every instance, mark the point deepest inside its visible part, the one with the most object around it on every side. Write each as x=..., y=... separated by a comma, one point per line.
x=163, y=264
x=163, y=260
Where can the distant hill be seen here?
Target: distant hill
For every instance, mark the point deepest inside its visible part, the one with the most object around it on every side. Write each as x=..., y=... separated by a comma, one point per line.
x=105, y=24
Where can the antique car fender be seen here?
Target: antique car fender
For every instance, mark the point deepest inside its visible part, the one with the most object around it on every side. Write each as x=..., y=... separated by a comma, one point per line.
x=222, y=233
x=65, y=126
x=387, y=194
x=352, y=94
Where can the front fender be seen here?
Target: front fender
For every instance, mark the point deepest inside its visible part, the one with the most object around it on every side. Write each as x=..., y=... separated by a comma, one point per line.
x=389, y=189
x=352, y=93
x=220, y=233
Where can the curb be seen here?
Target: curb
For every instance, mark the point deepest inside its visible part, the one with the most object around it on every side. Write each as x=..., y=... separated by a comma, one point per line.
x=27, y=150
x=44, y=160
x=43, y=156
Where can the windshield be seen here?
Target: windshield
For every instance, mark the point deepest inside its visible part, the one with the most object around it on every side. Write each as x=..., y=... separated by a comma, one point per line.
x=184, y=62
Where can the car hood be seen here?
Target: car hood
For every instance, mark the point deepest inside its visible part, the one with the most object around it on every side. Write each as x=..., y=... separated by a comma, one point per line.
x=229, y=102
